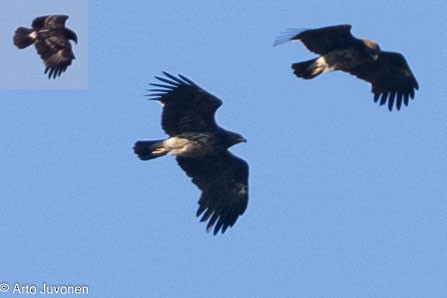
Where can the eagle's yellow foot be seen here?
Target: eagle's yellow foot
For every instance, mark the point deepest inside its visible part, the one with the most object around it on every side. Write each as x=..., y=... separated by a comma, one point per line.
x=158, y=151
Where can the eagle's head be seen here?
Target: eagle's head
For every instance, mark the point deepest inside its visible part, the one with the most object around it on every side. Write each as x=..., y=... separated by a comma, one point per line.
x=233, y=138
x=71, y=35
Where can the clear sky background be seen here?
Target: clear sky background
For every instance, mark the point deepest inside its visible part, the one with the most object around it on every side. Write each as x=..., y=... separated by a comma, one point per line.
x=346, y=198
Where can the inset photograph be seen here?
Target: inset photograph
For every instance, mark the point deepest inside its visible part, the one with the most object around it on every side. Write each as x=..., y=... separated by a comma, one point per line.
x=46, y=45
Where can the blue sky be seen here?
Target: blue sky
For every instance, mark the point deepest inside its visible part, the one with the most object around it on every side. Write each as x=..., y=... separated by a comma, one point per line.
x=346, y=198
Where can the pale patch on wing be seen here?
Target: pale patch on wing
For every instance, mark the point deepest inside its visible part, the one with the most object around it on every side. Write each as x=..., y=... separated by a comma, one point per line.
x=59, y=58
x=406, y=73
x=241, y=189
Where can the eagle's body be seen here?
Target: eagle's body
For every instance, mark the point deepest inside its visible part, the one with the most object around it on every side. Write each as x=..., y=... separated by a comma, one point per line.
x=388, y=73
x=193, y=144
x=200, y=147
x=189, y=144
x=52, y=42
x=343, y=59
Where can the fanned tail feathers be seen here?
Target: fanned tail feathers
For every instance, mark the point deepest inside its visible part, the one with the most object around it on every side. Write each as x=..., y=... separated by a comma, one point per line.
x=149, y=149
x=308, y=69
x=23, y=37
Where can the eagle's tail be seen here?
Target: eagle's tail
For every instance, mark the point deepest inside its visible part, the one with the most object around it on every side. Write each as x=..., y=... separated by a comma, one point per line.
x=149, y=149
x=23, y=38
x=308, y=69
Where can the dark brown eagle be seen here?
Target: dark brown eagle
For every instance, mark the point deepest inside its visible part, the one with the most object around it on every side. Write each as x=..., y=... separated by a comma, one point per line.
x=200, y=146
x=52, y=41
x=388, y=73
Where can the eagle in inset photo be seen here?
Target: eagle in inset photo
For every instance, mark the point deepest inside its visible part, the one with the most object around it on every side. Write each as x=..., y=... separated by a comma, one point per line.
x=388, y=72
x=201, y=149
x=52, y=42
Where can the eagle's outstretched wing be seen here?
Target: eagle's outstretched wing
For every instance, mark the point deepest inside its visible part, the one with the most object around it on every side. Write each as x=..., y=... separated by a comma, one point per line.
x=390, y=77
x=186, y=106
x=223, y=180
x=321, y=41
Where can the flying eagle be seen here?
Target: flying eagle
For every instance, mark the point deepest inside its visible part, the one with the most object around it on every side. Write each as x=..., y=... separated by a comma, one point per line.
x=200, y=146
x=52, y=42
x=388, y=72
